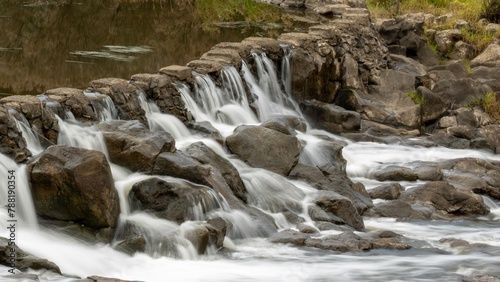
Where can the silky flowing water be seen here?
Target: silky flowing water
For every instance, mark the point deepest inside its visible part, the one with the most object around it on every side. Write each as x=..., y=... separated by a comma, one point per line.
x=248, y=256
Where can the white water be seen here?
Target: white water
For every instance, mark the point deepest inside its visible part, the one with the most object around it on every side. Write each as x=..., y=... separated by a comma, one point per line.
x=255, y=259
x=32, y=141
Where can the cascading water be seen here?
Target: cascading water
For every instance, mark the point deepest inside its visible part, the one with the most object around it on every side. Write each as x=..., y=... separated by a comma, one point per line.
x=103, y=105
x=274, y=195
x=158, y=121
x=32, y=141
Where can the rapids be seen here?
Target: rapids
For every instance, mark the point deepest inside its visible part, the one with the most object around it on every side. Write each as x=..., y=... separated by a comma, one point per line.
x=247, y=256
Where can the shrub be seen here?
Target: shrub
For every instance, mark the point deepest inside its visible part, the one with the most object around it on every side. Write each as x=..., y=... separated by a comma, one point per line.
x=491, y=10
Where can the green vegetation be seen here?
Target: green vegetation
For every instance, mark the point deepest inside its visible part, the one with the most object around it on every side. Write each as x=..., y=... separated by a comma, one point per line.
x=248, y=11
x=490, y=104
x=470, y=10
x=416, y=97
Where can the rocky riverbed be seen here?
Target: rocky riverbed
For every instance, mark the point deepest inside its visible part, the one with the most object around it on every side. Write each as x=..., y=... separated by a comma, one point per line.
x=306, y=157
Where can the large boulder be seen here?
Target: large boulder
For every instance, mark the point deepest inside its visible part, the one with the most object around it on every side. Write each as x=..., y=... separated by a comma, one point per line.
x=332, y=118
x=205, y=155
x=458, y=93
x=340, y=206
x=476, y=175
x=265, y=148
x=491, y=55
x=73, y=184
x=131, y=144
x=446, y=198
x=172, y=200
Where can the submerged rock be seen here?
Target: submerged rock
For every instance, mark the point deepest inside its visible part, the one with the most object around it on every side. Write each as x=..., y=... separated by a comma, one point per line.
x=24, y=261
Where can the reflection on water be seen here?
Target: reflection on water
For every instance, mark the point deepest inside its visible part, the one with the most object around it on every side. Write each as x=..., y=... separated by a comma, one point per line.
x=67, y=43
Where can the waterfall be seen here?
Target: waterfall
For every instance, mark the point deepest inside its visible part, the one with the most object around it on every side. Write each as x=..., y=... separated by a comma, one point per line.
x=31, y=136
x=73, y=133
x=103, y=105
x=24, y=208
x=158, y=121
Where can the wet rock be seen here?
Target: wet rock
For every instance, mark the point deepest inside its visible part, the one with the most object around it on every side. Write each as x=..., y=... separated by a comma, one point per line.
x=450, y=141
x=181, y=73
x=124, y=95
x=395, y=209
x=476, y=175
x=223, y=56
x=330, y=178
x=96, y=278
x=292, y=122
x=332, y=118
x=289, y=237
x=277, y=126
x=217, y=229
x=39, y=115
x=206, y=129
x=344, y=242
x=12, y=142
x=446, y=198
x=73, y=184
x=428, y=172
x=318, y=214
x=179, y=164
x=75, y=101
x=132, y=145
x=340, y=206
x=172, y=200
x=265, y=148
x=23, y=261
x=386, y=192
x=205, y=66
x=132, y=245
x=306, y=228
x=396, y=173
x=160, y=89
x=205, y=155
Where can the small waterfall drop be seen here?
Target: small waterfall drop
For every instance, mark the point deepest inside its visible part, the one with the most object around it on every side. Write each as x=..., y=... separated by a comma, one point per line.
x=158, y=121
x=24, y=207
x=31, y=137
x=103, y=105
x=73, y=133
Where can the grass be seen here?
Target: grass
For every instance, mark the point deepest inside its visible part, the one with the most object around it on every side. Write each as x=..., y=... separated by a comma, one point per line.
x=468, y=10
x=214, y=11
x=490, y=104
x=416, y=97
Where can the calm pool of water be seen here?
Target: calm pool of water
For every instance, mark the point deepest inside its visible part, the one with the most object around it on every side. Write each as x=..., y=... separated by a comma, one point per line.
x=48, y=44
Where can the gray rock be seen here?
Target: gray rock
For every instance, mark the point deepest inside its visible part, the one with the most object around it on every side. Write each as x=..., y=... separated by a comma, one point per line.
x=330, y=117
x=386, y=192
x=265, y=148
x=446, y=198
x=132, y=145
x=23, y=261
x=205, y=155
x=340, y=206
x=396, y=173
x=490, y=55
x=73, y=184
